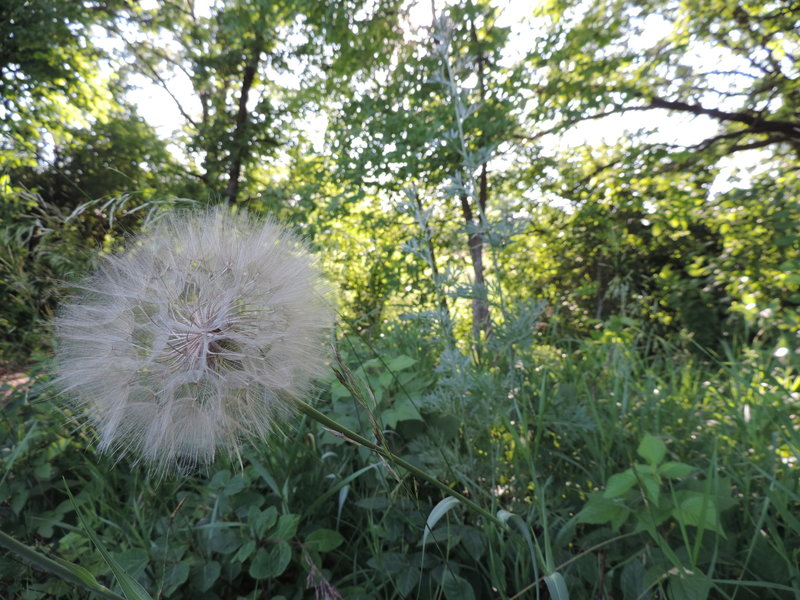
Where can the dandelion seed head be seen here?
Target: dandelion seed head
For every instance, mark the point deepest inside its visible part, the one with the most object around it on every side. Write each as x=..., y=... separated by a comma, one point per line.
x=195, y=339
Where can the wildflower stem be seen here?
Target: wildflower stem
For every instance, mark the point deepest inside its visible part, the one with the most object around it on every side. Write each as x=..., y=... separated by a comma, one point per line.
x=351, y=435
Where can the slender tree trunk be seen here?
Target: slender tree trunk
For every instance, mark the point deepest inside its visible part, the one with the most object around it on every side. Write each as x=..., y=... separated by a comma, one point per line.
x=481, y=316
x=481, y=319
x=240, y=139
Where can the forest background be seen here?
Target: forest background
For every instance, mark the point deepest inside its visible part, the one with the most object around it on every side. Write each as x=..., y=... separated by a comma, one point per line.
x=564, y=240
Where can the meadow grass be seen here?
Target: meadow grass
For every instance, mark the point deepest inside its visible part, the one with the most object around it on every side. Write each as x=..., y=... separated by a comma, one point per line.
x=617, y=466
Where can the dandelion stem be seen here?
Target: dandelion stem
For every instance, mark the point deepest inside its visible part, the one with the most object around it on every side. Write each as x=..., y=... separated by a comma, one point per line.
x=351, y=435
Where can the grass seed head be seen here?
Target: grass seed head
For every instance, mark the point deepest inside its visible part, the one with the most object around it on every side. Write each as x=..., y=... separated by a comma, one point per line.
x=195, y=339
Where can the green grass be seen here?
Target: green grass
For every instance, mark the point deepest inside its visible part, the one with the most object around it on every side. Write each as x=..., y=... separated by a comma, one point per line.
x=573, y=444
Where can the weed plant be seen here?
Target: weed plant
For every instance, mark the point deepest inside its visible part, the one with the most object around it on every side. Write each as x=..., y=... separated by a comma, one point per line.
x=620, y=466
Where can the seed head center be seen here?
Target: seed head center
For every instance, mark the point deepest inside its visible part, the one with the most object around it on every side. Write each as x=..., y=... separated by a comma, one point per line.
x=198, y=340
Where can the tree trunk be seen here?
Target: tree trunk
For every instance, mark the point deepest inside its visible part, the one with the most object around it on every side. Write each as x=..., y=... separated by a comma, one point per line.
x=240, y=139
x=481, y=320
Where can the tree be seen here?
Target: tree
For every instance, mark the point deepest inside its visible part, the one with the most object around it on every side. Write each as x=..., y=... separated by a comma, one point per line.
x=48, y=72
x=256, y=69
x=644, y=215
x=432, y=122
x=617, y=57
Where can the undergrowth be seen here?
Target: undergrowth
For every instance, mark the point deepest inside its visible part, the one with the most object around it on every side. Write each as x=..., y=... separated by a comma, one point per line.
x=619, y=466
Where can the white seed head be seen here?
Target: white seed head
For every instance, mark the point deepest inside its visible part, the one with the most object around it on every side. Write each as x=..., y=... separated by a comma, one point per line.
x=195, y=339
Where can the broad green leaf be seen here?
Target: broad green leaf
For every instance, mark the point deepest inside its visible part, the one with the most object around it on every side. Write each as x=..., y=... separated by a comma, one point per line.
x=632, y=580
x=675, y=470
x=43, y=471
x=324, y=540
x=176, y=575
x=620, y=483
x=456, y=587
x=399, y=363
x=131, y=588
x=133, y=561
x=693, y=586
x=652, y=449
x=224, y=542
x=235, y=485
x=268, y=563
x=245, y=551
x=599, y=510
x=474, y=541
x=260, y=565
x=265, y=520
x=205, y=575
x=59, y=567
x=402, y=410
x=287, y=526
x=697, y=509
x=650, y=482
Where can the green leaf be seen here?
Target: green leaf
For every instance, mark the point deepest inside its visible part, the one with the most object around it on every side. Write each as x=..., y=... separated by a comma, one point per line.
x=245, y=551
x=599, y=510
x=324, y=540
x=399, y=363
x=260, y=566
x=620, y=483
x=697, y=509
x=223, y=541
x=556, y=586
x=649, y=480
x=287, y=527
x=533, y=548
x=175, y=577
x=235, y=485
x=456, y=587
x=57, y=566
x=652, y=449
x=43, y=471
x=264, y=521
x=675, y=470
x=436, y=514
x=205, y=575
x=402, y=410
x=632, y=581
x=270, y=563
x=692, y=586
x=133, y=561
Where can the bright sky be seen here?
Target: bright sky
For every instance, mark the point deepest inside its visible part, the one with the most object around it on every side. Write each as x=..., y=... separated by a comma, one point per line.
x=160, y=110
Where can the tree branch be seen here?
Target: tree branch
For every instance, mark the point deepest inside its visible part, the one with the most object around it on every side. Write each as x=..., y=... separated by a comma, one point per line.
x=757, y=124
x=156, y=77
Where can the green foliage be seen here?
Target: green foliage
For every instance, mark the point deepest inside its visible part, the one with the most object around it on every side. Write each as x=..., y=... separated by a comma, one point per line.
x=591, y=496
x=629, y=414
x=48, y=75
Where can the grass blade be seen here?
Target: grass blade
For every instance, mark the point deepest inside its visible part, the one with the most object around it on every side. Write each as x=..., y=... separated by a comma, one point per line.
x=62, y=569
x=130, y=587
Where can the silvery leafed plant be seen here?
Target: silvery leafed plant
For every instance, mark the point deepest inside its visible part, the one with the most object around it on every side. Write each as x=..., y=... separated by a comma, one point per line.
x=197, y=337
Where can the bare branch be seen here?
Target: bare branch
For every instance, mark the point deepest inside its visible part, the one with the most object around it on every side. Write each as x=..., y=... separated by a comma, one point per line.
x=757, y=124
